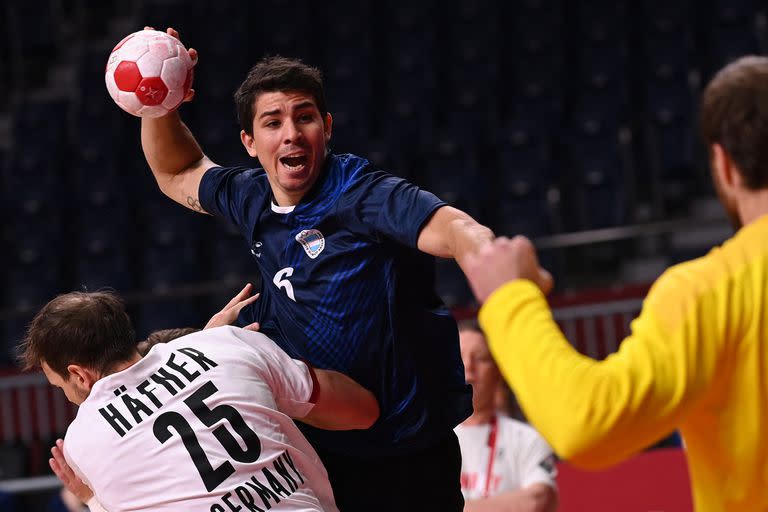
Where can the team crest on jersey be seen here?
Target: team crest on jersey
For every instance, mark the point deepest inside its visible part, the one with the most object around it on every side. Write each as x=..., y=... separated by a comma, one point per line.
x=312, y=241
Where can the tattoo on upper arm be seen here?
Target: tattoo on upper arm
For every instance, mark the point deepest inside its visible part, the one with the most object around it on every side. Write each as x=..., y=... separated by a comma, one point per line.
x=194, y=203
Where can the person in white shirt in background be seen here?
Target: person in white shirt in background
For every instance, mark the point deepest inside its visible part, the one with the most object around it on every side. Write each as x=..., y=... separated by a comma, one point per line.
x=201, y=422
x=506, y=465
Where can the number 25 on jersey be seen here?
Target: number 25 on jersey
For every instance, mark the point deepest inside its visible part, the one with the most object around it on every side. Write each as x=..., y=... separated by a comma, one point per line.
x=171, y=421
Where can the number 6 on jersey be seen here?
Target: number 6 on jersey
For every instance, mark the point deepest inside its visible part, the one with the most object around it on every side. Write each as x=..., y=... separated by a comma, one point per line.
x=281, y=281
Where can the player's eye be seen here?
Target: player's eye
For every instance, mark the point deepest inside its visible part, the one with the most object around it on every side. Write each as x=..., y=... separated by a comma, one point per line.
x=272, y=124
x=305, y=118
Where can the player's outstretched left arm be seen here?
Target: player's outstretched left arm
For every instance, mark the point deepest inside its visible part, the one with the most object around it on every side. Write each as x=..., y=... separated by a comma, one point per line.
x=596, y=413
x=451, y=233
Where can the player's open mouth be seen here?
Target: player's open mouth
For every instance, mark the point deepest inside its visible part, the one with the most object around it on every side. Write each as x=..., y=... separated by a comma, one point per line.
x=295, y=162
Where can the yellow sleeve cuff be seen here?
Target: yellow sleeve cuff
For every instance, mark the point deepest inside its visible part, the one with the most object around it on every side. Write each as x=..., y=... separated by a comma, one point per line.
x=507, y=299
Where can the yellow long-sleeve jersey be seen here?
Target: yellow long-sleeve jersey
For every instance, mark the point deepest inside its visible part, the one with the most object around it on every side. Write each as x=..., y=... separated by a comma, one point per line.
x=696, y=360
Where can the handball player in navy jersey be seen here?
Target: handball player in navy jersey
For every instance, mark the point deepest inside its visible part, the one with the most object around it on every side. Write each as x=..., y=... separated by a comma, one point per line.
x=346, y=255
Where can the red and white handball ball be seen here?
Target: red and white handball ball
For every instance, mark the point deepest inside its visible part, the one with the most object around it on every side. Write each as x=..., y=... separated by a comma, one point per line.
x=149, y=73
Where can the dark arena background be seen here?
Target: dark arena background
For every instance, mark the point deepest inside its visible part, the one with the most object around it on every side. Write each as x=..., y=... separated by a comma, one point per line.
x=571, y=122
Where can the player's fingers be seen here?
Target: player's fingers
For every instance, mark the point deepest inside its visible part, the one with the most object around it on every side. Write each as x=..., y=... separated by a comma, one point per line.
x=149, y=28
x=243, y=295
x=242, y=304
x=216, y=321
x=58, y=451
x=61, y=462
x=255, y=326
x=521, y=244
x=240, y=296
x=55, y=466
x=60, y=471
x=189, y=96
x=57, y=471
x=502, y=241
x=193, y=55
x=172, y=32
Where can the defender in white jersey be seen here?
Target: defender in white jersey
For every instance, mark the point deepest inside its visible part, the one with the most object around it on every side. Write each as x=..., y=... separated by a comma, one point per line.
x=200, y=423
x=506, y=464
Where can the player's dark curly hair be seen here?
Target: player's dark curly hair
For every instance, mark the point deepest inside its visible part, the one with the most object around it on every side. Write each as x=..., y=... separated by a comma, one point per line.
x=91, y=329
x=734, y=114
x=272, y=74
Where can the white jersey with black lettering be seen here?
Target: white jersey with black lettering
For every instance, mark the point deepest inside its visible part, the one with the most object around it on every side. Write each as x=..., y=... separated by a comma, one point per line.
x=201, y=423
x=501, y=456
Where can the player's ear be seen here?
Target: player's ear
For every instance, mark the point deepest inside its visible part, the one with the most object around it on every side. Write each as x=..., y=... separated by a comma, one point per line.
x=248, y=142
x=83, y=378
x=724, y=168
x=327, y=126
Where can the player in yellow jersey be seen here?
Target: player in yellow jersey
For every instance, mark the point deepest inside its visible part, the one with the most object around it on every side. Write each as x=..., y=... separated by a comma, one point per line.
x=697, y=358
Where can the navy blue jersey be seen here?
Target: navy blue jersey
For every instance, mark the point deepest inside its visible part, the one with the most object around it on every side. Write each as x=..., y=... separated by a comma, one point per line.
x=345, y=288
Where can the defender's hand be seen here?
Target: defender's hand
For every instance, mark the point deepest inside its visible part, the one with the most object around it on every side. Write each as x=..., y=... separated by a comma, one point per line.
x=228, y=315
x=62, y=470
x=502, y=261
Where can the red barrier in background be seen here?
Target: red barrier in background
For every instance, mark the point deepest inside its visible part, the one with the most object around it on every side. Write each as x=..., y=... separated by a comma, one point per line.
x=653, y=481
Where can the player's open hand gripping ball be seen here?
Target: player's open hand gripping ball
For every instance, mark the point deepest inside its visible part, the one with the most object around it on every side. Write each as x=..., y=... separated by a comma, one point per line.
x=149, y=73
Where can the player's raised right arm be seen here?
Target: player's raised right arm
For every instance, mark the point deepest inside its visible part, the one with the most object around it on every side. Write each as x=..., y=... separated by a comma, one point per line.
x=173, y=154
x=175, y=157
